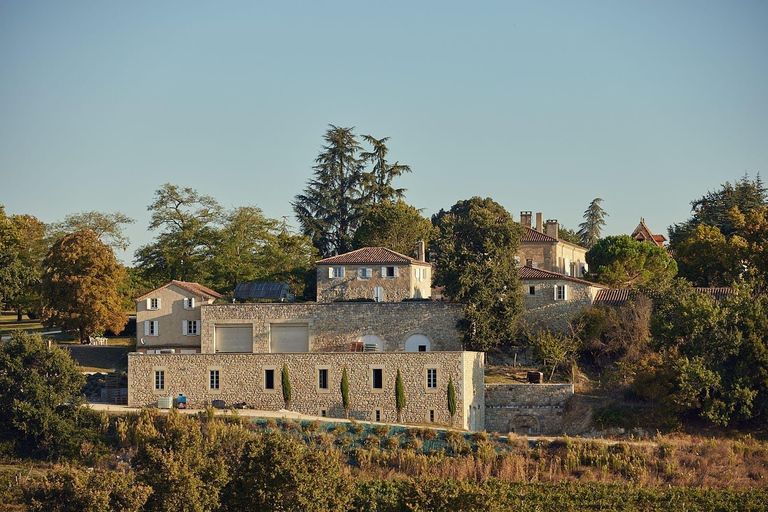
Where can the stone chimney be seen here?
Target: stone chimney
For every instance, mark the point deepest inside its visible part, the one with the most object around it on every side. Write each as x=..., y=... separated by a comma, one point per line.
x=421, y=251
x=552, y=226
x=539, y=222
x=525, y=218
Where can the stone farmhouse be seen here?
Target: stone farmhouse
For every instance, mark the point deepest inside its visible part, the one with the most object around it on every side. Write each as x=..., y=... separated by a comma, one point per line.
x=541, y=248
x=374, y=273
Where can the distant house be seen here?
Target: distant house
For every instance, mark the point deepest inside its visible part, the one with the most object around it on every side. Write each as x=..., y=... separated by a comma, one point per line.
x=168, y=317
x=643, y=234
x=375, y=273
x=262, y=291
x=541, y=248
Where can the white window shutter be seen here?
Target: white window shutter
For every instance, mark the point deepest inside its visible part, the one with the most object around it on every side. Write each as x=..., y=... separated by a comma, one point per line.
x=330, y=272
x=146, y=327
x=186, y=303
x=567, y=266
x=149, y=303
x=343, y=271
x=395, y=271
x=158, y=303
x=555, y=288
x=383, y=271
x=157, y=327
x=197, y=326
x=184, y=327
x=565, y=292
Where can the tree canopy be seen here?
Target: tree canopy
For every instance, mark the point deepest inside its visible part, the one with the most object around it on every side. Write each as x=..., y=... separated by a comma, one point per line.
x=594, y=221
x=107, y=226
x=623, y=262
x=80, y=286
x=22, y=249
x=476, y=248
x=397, y=226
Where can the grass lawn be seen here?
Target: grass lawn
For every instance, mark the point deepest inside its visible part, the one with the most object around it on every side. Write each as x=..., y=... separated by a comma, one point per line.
x=9, y=325
x=92, y=358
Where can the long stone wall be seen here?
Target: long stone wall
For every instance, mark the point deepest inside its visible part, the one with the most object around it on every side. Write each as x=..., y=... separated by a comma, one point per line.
x=333, y=326
x=535, y=409
x=241, y=379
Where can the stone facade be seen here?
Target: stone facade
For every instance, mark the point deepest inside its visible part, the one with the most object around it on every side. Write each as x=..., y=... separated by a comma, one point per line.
x=410, y=282
x=543, y=308
x=241, y=379
x=535, y=409
x=334, y=326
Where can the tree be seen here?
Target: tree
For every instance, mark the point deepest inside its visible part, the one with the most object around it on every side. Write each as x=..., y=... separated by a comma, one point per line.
x=397, y=226
x=38, y=386
x=476, y=249
x=554, y=349
x=107, y=226
x=345, y=392
x=379, y=179
x=329, y=209
x=594, y=221
x=451, y=399
x=286, y=385
x=22, y=249
x=399, y=396
x=568, y=235
x=623, y=262
x=707, y=258
x=187, y=222
x=80, y=286
x=291, y=259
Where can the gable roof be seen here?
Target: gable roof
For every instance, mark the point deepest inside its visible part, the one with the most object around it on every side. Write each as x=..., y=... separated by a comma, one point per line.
x=371, y=255
x=643, y=233
x=531, y=235
x=537, y=274
x=193, y=288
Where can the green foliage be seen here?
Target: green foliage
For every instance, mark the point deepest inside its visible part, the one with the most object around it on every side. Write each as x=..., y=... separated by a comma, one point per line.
x=623, y=262
x=397, y=226
x=451, y=398
x=379, y=178
x=400, y=402
x=22, y=249
x=285, y=381
x=38, y=409
x=107, y=226
x=80, y=286
x=277, y=473
x=568, y=235
x=70, y=489
x=344, y=387
x=594, y=222
x=554, y=349
x=476, y=249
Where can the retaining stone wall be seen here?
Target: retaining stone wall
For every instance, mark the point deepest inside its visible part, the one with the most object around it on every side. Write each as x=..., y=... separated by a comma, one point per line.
x=241, y=379
x=526, y=408
x=542, y=310
x=333, y=326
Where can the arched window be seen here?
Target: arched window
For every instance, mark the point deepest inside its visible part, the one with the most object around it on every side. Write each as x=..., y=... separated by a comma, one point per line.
x=417, y=343
x=369, y=340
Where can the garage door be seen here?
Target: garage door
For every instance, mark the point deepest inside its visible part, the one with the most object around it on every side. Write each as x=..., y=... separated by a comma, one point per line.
x=289, y=338
x=233, y=338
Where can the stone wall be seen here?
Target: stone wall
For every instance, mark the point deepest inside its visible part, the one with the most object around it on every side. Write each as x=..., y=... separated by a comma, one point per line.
x=535, y=409
x=353, y=286
x=542, y=310
x=333, y=326
x=241, y=379
x=542, y=254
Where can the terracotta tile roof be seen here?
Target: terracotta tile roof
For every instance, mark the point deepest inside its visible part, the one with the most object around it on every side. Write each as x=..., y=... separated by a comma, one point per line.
x=373, y=256
x=614, y=297
x=194, y=288
x=531, y=235
x=717, y=293
x=537, y=274
x=643, y=233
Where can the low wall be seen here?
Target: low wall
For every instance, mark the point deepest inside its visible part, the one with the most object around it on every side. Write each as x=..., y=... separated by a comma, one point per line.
x=241, y=379
x=526, y=408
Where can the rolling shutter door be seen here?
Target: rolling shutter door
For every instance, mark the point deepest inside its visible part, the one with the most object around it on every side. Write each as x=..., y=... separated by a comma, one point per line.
x=289, y=338
x=234, y=338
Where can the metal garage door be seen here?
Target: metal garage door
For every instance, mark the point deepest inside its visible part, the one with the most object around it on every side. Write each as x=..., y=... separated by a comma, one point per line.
x=288, y=338
x=233, y=338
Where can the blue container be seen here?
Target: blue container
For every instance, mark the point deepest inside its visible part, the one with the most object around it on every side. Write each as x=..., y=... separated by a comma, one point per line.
x=181, y=402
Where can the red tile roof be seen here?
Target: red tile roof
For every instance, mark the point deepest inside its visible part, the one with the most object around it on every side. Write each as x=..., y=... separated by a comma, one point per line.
x=537, y=274
x=194, y=288
x=371, y=255
x=614, y=297
x=643, y=233
x=531, y=235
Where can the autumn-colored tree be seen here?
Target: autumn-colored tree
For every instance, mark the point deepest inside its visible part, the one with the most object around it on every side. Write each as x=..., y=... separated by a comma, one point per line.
x=80, y=286
x=397, y=226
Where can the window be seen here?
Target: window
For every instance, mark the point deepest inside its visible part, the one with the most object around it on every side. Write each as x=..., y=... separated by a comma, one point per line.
x=366, y=273
x=323, y=413
x=189, y=303
x=531, y=290
x=151, y=328
x=322, y=378
x=422, y=348
x=529, y=263
x=389, y=272
x=417, y=343
x=159, y=380
x=336, y=272
x=431, y=415
x=377, y=378
x=378, y=294
x=153, y=303
x=377, y=415
x=269, y=378
x=190, y=327
x=214, y=379
x=431, y=378
x=561, y=292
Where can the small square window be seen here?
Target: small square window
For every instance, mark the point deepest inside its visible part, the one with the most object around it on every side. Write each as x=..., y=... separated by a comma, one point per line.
x=391, y=272
x=159, y=380
x=214, y=379
x=422, y=348
x=269, y=379
x=377, y=378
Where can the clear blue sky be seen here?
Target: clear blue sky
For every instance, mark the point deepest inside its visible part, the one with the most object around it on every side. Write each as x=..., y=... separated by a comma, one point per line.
x=542, y=106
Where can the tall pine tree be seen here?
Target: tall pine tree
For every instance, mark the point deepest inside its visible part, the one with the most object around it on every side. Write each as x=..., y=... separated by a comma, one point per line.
x=594, y=222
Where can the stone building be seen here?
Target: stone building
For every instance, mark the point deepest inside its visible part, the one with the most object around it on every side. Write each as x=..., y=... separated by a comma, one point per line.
x=169, y=317
x=643, y=234
x=551, y=300
x=541, y=248
x=527, y=409
x=374, y=273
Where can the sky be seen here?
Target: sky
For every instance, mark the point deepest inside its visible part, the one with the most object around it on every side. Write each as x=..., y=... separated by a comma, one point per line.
x=542, y=106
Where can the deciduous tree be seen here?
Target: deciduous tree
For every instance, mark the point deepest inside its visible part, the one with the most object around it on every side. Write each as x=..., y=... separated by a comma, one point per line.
x=22, y=249
x=397, y=226
x=80, y=286
x=107, y=226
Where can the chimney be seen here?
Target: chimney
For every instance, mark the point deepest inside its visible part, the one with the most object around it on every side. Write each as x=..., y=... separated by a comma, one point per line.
x=539, y=222
x=552, y=228
x=421, y=251
x=525, y=218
